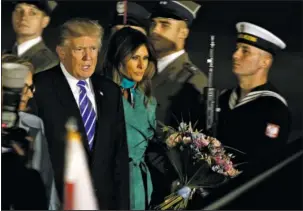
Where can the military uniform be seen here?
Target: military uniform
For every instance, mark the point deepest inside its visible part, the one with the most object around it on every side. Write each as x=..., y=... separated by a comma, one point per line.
x=41, y=57
x=178, y=89
x=259, y=123
x=39, y=54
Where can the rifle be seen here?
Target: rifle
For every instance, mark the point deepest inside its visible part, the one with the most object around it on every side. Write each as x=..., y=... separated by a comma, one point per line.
x=211, y=95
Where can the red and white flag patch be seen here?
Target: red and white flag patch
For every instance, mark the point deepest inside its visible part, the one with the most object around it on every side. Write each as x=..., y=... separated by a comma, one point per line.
x=272, y=130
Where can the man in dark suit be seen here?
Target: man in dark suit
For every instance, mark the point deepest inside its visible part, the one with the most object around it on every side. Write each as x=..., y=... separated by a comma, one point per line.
x=72, y=89
x=29, y=19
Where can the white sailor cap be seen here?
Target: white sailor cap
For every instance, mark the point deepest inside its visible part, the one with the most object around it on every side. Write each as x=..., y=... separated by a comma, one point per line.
x=259, y=37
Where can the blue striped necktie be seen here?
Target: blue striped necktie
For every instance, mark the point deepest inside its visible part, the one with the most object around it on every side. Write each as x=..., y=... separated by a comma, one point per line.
x=87, y=112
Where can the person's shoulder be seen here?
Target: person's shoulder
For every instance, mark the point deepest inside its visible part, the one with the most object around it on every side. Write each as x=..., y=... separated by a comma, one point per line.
x=45, y=59
x=46, y=75
x=198, y=78
x=275, y=103
x=105, y=82
x=31, y=120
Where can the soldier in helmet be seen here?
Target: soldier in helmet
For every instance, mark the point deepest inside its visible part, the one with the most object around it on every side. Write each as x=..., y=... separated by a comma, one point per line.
x=178, y=84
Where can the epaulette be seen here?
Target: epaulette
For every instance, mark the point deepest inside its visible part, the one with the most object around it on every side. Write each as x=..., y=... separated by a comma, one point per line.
x=191, y=68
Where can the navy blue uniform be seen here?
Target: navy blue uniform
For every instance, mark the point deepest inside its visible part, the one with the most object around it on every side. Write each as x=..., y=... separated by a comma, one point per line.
x=258, y=124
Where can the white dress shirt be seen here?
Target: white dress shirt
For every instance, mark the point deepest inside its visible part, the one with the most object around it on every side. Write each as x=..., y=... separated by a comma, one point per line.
x=22, y=48
x=165, y=61
x=72, y=81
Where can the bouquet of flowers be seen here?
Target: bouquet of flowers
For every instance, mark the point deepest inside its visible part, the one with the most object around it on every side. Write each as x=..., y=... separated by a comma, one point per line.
x=201, y=162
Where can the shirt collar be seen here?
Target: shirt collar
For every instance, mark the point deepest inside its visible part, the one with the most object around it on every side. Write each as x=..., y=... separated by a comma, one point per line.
x=165, y=61
x=23, y=47
x=72, y=81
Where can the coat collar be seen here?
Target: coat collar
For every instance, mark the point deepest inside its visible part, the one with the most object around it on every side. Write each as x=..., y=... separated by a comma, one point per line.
x=265, y=90
x=33, y=50
x=172, y=70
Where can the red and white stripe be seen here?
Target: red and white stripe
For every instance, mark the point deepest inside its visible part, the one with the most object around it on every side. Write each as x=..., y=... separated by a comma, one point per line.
x=78, y=189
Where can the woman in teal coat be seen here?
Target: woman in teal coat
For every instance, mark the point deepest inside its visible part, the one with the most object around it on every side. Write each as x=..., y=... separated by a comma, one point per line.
x=131, y=61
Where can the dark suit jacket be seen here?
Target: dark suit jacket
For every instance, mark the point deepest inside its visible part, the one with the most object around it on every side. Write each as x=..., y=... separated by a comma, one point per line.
x=108, y=160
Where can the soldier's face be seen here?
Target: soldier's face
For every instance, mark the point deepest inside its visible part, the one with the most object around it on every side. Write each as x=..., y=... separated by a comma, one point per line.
x=28, y=20
x=247, y=60
x=164, y=33
x=137, y=64
x=79, y=56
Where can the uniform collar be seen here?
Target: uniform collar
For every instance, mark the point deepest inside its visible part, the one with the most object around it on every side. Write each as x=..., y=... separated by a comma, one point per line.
x=266, y=89
x=22, y=48
x=165, y=61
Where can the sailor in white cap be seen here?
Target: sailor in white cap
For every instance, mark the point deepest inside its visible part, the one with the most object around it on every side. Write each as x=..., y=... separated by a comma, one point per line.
x=254, y=116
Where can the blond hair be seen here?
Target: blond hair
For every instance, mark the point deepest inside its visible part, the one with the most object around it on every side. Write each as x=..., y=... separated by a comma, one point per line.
x=78, y=27
x=11, y=58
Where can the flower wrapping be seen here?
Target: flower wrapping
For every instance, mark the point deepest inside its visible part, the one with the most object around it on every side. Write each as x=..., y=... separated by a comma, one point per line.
x=200, y=161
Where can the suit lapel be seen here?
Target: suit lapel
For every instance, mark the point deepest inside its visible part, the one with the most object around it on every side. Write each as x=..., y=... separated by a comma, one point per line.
x=67, y=100
x=99, y=97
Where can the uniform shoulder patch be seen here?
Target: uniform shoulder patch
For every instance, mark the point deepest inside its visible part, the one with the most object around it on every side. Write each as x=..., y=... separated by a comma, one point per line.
x=191, y=68
x=272, y=130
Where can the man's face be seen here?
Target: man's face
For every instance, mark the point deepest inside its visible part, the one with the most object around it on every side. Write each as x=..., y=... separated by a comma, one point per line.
x=79, y=56
x=28, y=20
x=246, y=60
x=164, y=33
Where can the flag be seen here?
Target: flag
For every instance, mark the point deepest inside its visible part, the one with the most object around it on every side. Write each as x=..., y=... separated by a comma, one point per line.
x=78, y=188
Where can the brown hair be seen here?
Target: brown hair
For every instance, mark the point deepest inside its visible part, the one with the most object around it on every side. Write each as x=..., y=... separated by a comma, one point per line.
x=78, y=27
x=122, y=45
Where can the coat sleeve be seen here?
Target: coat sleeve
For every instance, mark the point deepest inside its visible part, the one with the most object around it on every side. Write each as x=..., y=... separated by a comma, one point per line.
x=121, y=168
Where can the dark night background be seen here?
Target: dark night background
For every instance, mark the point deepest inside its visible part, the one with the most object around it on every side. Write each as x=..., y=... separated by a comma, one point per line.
x=283, y=18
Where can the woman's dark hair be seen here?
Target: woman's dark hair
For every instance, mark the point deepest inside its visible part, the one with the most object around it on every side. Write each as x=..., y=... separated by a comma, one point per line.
x=122, y=45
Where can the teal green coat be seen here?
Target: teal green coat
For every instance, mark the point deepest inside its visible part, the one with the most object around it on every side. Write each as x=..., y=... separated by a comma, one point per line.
x=140, y=127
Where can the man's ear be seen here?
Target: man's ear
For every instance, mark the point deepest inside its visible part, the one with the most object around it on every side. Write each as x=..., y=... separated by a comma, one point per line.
x=61, y=52
x=184, y=31
x=267, y=60
x=45, y=21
